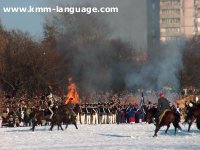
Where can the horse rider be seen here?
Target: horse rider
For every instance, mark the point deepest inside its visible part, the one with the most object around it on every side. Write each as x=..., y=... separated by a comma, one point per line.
x=70, y=107
x=149, y=105
x=178, y=109
x=197, y=101
x=163, y=104
x=50, y=104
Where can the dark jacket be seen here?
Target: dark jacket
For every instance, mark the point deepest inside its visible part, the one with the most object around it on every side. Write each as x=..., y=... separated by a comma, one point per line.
x=69, y=105
x=163, y=104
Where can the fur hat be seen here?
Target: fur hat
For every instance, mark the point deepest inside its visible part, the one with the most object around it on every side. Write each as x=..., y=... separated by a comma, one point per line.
x=162, y=95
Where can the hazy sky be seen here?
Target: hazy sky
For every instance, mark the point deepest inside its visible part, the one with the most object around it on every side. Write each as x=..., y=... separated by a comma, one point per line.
x=128, y=24
x=31, y=22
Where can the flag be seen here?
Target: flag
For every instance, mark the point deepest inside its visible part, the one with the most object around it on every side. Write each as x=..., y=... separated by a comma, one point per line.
x=142, y=101
x=142, y=107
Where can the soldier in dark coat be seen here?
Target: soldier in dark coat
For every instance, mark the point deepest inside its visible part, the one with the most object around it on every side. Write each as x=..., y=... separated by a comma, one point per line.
x=11, y=121
x=70, y=107
x=163, y=104
x=50, y=104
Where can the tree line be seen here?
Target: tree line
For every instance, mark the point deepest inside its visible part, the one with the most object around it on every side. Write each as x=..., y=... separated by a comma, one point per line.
x=80, y=47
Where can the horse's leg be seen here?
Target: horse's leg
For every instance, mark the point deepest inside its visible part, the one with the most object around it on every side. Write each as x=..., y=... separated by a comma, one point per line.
x=75, y=125
x=190, y=123
x=66, y=126
x=179, y=127
x=34, y=123
x=176, y=122
x=40, y=122
x=52, y=125
x=33, y=126
x=167, y=128
x=61, y=126
x=156, y=130
x=176, y=125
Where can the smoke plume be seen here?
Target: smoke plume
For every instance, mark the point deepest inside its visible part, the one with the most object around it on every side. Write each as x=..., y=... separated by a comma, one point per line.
x=109, y=51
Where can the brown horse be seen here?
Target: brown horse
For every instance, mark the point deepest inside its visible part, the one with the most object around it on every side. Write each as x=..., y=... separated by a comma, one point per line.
x=192, y=113
x=168, y=118
x=37, y=117
x=63, y=115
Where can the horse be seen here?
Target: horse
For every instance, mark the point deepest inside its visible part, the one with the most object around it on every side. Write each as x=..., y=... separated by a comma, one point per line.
x=37, y=117
x=57, y=118
x=168, y=118
x=63, y=115
x=192, y=113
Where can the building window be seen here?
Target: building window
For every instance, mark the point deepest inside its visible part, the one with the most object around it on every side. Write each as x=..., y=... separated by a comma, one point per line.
x=170, y=20
x=175, y=30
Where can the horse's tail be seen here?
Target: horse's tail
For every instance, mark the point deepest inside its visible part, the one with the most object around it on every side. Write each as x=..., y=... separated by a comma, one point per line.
x=198, y=123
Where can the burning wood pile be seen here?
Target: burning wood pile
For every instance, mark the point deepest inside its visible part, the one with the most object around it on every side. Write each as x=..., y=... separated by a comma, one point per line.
x=72, y=92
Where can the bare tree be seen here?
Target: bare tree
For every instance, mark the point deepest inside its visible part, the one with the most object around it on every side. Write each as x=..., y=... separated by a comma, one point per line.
x=28, y=67
x=190, y=74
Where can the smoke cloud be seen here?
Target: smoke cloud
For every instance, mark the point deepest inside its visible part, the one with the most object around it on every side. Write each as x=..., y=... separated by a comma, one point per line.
x=162, y=71
x=109, y=51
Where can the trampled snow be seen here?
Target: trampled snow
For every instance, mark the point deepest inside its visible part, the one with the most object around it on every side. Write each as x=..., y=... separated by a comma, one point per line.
x=106, y=136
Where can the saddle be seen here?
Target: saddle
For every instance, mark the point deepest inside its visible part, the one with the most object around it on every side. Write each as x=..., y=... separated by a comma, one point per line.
x=162, y=115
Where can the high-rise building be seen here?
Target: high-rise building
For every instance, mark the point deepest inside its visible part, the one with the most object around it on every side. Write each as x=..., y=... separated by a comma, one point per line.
x=179, y=18
x=153, y=26
x=197, y=17
x=170, y=19
x=138, y=22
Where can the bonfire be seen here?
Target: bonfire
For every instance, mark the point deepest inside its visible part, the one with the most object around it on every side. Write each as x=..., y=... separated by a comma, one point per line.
x=72, y=92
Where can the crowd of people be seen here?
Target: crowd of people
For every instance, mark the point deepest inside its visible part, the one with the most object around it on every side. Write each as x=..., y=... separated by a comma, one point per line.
x=124, y=107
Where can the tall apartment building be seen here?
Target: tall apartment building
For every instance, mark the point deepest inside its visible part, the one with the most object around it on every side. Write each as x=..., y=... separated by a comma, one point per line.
x=153, y=26
x=179, y=18
x=197, y=17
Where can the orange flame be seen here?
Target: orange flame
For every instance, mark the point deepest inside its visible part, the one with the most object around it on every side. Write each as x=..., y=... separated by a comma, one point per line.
x=72, y=92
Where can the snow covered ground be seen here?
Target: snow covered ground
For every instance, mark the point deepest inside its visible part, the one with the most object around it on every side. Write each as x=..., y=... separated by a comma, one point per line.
x=109, y=137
